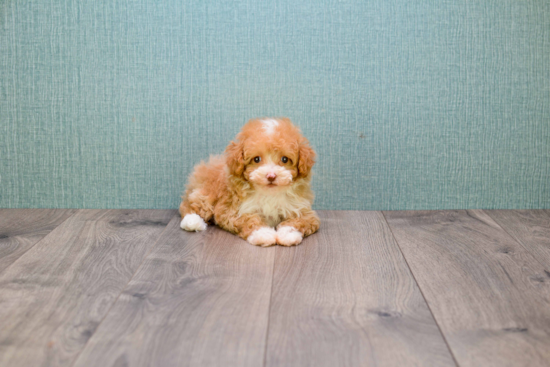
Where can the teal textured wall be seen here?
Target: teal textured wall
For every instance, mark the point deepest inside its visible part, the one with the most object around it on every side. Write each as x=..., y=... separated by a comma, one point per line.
x=410, y=104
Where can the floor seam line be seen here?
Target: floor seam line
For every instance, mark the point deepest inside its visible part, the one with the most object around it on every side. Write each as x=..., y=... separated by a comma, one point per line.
x=513, y=238
x=421, y=292
x=269, y=308
x=40, y=240
x=122, y=291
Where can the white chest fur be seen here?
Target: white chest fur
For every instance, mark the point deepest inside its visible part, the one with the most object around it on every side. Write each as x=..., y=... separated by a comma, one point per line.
x=274, y=207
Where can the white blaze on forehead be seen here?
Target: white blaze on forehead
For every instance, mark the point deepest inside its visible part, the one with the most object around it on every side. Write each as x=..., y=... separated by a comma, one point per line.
x=270, y=125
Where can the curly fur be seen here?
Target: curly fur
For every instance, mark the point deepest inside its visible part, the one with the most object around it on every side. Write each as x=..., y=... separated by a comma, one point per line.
x=243, y=197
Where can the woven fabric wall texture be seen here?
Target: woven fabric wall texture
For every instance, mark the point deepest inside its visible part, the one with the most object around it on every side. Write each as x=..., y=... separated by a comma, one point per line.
x=410, y=104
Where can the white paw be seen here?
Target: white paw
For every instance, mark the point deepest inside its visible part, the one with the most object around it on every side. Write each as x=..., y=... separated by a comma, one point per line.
x=265, y=236
x=288, y=236
x=192, y=222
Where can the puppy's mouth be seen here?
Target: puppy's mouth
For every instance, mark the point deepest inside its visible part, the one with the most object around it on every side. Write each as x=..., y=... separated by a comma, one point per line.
x=273, y=185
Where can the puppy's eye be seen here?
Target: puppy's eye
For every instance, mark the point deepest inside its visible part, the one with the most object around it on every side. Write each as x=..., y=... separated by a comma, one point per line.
x=284, y=159
x=257, y=159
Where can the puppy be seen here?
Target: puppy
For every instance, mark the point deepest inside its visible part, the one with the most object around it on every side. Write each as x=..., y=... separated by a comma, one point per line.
x=262, y=182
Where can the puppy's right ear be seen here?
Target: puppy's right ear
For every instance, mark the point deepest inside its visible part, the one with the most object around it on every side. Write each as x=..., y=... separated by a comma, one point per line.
x=234, y=155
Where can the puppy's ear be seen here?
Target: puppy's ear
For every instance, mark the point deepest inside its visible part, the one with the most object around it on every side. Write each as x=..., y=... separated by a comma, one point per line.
x=234, y=154
x=306, y=158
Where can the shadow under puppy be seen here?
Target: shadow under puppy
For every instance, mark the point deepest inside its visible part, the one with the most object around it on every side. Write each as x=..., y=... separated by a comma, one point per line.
x=261, y=182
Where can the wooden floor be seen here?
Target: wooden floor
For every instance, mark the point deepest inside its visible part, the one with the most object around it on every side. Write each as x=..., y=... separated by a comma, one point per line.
x=410, y=288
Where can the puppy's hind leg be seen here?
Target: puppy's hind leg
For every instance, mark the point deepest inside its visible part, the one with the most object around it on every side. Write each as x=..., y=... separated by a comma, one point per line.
x=195, y=210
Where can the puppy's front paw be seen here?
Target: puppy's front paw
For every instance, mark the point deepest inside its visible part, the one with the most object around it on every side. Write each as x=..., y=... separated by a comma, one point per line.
x=265, y=236
x=288, y=236
x=193, y=222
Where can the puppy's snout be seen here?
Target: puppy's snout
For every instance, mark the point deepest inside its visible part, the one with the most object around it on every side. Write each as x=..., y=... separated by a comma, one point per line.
x=271, y=176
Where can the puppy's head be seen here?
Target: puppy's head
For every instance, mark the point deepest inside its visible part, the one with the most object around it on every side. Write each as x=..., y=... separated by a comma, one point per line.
x=270, y=153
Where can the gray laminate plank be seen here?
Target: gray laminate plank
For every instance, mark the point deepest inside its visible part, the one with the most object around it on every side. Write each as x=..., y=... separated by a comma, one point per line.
x=20, y=229
x=346, y=297
x=531, y=228
x=55, y=295
x=200, y=299
x=484, y=288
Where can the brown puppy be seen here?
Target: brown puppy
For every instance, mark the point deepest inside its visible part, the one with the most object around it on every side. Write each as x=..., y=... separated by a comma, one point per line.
x=261, y=182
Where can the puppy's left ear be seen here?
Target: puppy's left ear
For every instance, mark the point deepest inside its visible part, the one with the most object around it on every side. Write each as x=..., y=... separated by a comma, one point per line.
x=306, y=158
